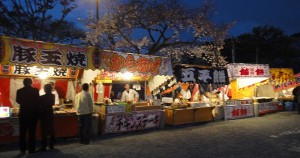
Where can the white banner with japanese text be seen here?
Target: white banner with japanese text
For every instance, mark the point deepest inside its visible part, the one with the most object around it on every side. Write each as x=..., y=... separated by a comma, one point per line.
x=241, y=70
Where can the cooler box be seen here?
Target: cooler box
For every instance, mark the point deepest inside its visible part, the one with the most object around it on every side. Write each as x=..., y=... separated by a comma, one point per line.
x=289, y=106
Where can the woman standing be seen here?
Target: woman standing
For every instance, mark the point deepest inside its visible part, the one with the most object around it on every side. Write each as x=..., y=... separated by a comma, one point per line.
x=46, y=115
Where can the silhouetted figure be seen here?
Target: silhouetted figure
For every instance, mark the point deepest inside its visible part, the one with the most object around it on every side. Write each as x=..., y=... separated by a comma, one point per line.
x=28, y=98
x=47, y=117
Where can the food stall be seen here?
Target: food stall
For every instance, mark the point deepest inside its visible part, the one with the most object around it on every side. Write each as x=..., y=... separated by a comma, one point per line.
x=195, y=84
x=284, y=81
x=250, y=83
x=117, y=69
x=43, y=62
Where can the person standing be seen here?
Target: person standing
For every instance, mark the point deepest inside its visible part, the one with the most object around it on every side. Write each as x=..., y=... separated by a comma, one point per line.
x=47, y=117
x=296, y=94
x=129, y=95
x=42, y=92
x=84, y=107
x=28, y=98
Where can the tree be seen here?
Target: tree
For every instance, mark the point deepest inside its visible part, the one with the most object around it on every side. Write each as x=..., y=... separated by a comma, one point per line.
x=265, y=45
x=161, y=27
x=34, y=19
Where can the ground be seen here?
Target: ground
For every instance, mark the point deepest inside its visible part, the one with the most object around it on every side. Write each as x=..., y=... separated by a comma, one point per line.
x=272, y=135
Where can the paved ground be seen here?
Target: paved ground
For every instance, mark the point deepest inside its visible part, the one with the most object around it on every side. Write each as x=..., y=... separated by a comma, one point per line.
x=273, y=135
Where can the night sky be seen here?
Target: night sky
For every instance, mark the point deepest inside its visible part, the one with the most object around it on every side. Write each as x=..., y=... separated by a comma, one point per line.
x=284, y=14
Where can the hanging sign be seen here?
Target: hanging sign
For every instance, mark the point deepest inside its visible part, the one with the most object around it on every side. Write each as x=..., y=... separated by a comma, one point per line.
x=240, y=70
x=18, y=70
x=42, y=54
x=135, y=63
x=202, y=75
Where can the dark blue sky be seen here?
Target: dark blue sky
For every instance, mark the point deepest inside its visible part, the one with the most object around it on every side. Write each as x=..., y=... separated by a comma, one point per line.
x=247, y=14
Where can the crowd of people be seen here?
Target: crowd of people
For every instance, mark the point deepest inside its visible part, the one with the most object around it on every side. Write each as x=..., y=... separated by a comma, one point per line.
x=38, y=105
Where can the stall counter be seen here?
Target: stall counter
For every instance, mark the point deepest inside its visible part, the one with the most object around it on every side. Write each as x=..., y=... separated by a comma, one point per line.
x=65, y=125
x=179, y=116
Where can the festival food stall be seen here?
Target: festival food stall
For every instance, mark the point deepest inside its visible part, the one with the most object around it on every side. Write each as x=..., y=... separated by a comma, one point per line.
x=284, y=81
x=117, y=69
x=252, y=93
x=43, y=62
x=195, y=84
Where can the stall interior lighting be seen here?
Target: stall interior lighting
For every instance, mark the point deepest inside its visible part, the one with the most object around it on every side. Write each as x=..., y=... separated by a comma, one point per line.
x=128, y=75
x=43, y=75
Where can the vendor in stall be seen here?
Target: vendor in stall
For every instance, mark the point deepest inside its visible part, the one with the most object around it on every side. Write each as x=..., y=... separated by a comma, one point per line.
x=129, y=95
x=42, y=92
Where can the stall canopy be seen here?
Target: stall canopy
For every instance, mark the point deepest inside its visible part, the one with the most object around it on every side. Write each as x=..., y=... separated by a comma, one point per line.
x=244, y=78
x=202, y=75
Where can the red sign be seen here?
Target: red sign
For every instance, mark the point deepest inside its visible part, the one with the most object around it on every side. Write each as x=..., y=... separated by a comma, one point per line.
x=135, y=63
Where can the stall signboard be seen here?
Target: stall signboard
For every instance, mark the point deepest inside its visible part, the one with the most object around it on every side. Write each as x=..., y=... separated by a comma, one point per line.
x=126, y=122
x=135, y=63
x=31, y=53
x=267, y=107
x=118, y=76
x=238, y=111
x=204, y=76
x=9, y=127
x=241, y=70
x=280, y=75
x=283, y=78
x=19, y=70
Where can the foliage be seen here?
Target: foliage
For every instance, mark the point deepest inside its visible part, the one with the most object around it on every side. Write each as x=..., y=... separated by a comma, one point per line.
x=159, y=27
x=37, y=20
x=265, y=45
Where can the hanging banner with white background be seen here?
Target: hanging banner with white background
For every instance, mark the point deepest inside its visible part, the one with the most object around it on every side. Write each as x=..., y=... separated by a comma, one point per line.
x=241, y=70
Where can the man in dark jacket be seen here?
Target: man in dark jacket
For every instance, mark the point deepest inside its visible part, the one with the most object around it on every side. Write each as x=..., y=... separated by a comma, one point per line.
x=47, y=117
x=296, y=93
x=28, y=98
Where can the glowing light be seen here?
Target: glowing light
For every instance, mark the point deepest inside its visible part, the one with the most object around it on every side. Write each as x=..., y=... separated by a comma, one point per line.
x=127, y=75
x=43, y=75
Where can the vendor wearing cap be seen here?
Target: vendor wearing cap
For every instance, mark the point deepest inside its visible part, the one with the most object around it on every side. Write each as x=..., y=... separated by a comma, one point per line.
x=129, y=95
x=42, y=92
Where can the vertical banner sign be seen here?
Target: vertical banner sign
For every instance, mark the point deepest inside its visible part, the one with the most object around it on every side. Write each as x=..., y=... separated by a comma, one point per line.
x=35, y=53
x=217, y=77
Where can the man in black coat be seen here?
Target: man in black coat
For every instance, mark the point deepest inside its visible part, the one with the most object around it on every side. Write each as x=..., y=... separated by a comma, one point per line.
x=28, y=98
x=296, y=93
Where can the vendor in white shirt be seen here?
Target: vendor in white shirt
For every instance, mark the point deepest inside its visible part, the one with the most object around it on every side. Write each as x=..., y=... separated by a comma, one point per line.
x=129, y=95
x=42, y=92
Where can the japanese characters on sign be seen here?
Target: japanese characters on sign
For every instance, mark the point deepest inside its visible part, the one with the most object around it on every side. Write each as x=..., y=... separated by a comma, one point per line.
x=214, y=76
x=238, y=111
x=35, y=71
x=281, y=75
x=238, y=70
x=134, y=63
x=33, y=53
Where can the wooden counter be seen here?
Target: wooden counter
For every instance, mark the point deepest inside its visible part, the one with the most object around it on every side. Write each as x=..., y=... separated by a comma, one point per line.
x=188, y=115
x=65, y=125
